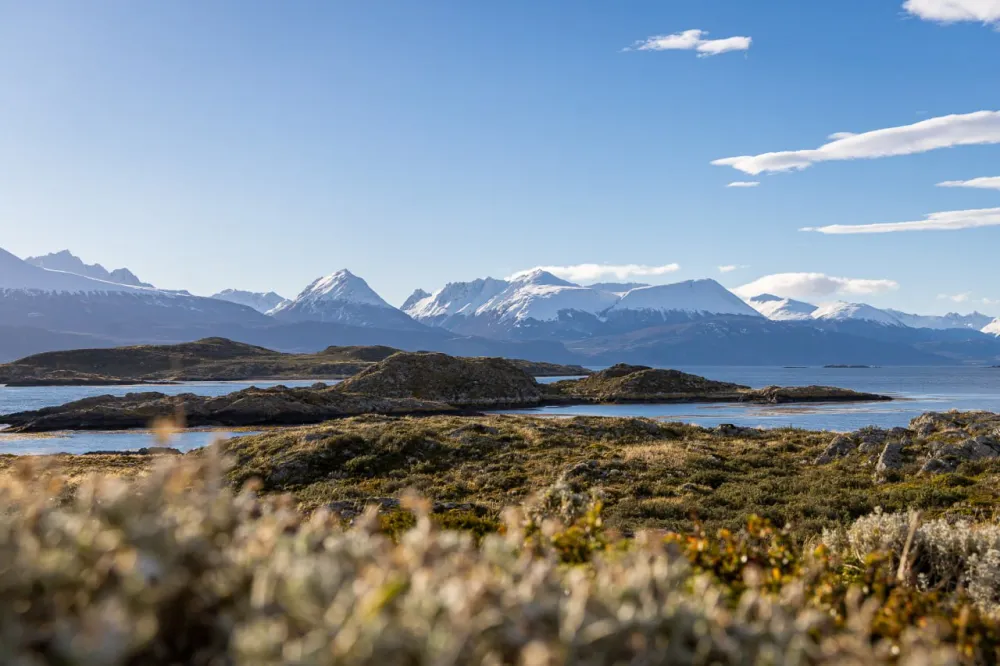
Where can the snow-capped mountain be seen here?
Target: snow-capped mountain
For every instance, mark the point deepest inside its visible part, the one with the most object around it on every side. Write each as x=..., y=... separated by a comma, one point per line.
x=993, y=328
x=343, y=298
x=67, y=262
x=695, y=297
x=414, y=298
x=259, y=301
x=975, y=321
x=842, y=311
x=456, y=299
x=540, y=304
x=777, y=308
x=67, y=302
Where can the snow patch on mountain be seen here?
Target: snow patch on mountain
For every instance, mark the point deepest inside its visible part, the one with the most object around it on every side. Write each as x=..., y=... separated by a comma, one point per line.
x=620, y=288
x=259, y=301
x=842, y=311
x=16, y=273
x=701, y=297
x=993, y=328
x=781, y=309
x=68, y=262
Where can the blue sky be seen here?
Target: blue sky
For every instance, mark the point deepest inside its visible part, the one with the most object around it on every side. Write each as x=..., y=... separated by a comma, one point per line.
x=259, y=145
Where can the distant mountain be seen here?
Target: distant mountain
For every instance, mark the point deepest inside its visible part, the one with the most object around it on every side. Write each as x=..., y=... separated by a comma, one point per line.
x=842, y=311
x=67, y=262
x=975, y=321
x=698, y=297
x=66, y=302
x=782, y=309
x=619, y=288
x=414, y=298
x=993, y=328
x=259, y=301
x=344, y=298
x=742, y=340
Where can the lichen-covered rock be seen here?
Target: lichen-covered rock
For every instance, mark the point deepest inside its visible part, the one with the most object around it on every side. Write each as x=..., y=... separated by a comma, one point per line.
x=840, y=447
x=890, y=460
x=947, y=457
x=460, y=382
x=639, y=383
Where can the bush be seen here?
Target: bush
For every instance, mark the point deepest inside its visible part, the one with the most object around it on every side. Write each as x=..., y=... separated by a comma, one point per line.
x=176, y=568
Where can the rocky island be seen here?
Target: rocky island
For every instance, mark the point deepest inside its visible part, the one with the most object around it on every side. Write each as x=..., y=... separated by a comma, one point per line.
x=409, y=383
x=210, y=359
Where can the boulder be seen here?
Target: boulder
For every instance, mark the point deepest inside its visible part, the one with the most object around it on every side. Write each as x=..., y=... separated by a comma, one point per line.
x=890, y=459
x=839, y=447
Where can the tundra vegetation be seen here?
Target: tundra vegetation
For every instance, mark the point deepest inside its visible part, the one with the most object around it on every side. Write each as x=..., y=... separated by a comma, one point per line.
x=511, y=540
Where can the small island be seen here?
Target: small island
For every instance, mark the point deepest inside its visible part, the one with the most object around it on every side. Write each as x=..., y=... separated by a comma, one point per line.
x=411, y=384
x=211, y=359
x=842, y=366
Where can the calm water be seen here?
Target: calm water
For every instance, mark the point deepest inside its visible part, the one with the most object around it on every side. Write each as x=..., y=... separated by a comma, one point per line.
x=917, y=390
x=16, y=399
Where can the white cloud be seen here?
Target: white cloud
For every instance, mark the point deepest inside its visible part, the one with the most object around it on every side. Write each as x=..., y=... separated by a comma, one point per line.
x=980, y=127
x=813, y=285
x=957, y=298
x=950, y=11
x=596, y=272
x=692, y=40
x=744, y=183
x=951, y=220
x=985, y=183
x=731, y=267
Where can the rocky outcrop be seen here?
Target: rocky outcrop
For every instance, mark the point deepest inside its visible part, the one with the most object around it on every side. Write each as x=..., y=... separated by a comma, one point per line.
x=639, y=383
x=890, y=460
x=840, y=447
x=251, y=407
x=778, y=395
x=460, y=382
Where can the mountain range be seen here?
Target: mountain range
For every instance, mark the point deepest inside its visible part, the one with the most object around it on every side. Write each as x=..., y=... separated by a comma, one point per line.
x=60, y=302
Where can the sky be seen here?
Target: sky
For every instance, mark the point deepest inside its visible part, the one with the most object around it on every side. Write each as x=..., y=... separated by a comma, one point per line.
x=822, y=150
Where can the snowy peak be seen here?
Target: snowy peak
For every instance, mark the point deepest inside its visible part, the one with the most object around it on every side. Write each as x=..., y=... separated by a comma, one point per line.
x=342, y=286
x=777, y=308
x=544, y=297
x=68, y=262
x=343, y=298
x=540, y=277
x=702, y=297
x=456, y=298
x=261, y=302
x=842, y=311
x=993, y=328
x=414, y=298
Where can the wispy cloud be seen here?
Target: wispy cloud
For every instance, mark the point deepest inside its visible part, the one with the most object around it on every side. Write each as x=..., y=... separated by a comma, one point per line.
x=985, y=183
x=956, y=298
x=692, y=40
x=731, y=268
x=951, y=11
x=952, y=220
x=813, y=286
x=596, y=272
x=744, y=183
x=980, y=127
